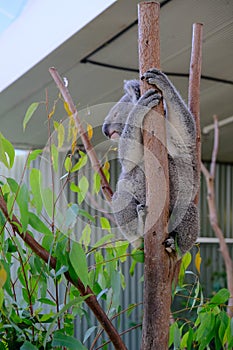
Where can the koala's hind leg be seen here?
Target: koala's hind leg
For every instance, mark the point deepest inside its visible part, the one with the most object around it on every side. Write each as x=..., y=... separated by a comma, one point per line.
x=129, y=216
x=183, y=237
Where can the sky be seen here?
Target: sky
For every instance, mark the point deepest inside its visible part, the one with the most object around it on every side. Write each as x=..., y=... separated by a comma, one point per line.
x=9, y=11
x=31, y=29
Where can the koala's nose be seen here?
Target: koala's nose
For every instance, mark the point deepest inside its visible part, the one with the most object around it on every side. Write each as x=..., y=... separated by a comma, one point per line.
x=105, y=129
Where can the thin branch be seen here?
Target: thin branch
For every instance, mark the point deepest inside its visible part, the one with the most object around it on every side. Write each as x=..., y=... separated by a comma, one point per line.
x=215, y=148
x=194, y=102
x=210, y=177
x=86, y=142
x=91, y=300
x=205, y=171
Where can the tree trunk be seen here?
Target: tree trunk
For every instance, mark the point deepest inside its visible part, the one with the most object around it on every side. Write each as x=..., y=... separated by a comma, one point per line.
x=158, y=268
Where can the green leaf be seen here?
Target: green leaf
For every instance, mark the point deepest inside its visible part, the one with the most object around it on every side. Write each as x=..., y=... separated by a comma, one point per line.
x=13, y=185
x=29, y=113
x=22, y=201
x=79, y=262
x=47, y=317
x=61, y=271
x=46, y=301
x=71, y=215
x=7, y=285
x=221, y=297
x=28, y=346
x=121, y=250
x=60, y=339
x=224, y=321
x=54, y=154
x=66, y=307
x=33, y=155
x=81, y=162
x=116, y=287
x=174, y=336
x=89, y=333
x=86, y=236
x=37, y=224
x=25, y=295
x=138, y=255
x=2, y=221
x=96, y=182
x=105, y=224
x=68, y=164
x=35, y=183
x=60, y=133
x=86, y=214
x=186, y=260
x=205, y=331
x=1, y=300
x=74, y=188
x=10, y=205
x=103, y=240
x=47, y=198
x=83, y=185
x=7, y=152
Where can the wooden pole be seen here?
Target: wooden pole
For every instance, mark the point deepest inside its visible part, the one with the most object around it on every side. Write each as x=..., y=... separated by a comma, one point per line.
x=194, y=88
x=157, y=268
x=194, y=101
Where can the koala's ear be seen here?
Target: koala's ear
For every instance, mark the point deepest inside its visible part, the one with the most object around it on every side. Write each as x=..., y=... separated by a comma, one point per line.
x=132, y=89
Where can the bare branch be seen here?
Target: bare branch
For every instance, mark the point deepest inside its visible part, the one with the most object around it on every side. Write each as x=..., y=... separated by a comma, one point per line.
x=210, y=177
x=86, y=142
x=205, y=171
x=215, y=147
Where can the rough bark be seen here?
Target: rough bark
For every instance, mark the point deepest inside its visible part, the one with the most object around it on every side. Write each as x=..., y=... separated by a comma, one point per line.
x=213, y=216
x=158, y=267
x=194, y=88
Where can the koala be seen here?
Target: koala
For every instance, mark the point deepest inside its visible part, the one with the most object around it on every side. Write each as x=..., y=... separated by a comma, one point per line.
x=124, y=122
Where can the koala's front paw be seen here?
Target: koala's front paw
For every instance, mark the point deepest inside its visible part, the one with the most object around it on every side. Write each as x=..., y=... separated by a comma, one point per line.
x=156, y=77
x=150, y=98
x=170, y=245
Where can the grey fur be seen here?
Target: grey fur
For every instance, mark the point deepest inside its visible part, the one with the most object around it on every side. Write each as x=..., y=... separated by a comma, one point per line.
x=125, y=119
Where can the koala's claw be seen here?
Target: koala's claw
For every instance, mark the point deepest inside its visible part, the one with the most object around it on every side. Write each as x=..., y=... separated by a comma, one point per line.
x=141, y=210
x=170, y=245
x=150, y=98
x=153, y=76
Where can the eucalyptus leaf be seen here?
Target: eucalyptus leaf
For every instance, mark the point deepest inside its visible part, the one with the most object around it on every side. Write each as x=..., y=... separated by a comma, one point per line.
x=33, y=155
x=7, y=152
x=37, y=224
x=60, y=339
x=22, y=201
x=29, y=113
x=83, y=184
x=35, y=183
x=79, y=262
x=28, y=346
x=220, y=297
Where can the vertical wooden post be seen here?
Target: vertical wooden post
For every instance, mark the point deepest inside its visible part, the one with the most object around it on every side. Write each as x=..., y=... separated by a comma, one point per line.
x=194, y=87
x=157, y=268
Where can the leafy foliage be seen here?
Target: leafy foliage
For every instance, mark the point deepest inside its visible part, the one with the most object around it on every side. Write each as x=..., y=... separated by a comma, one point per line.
x=34, y=312
x=202, y=324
